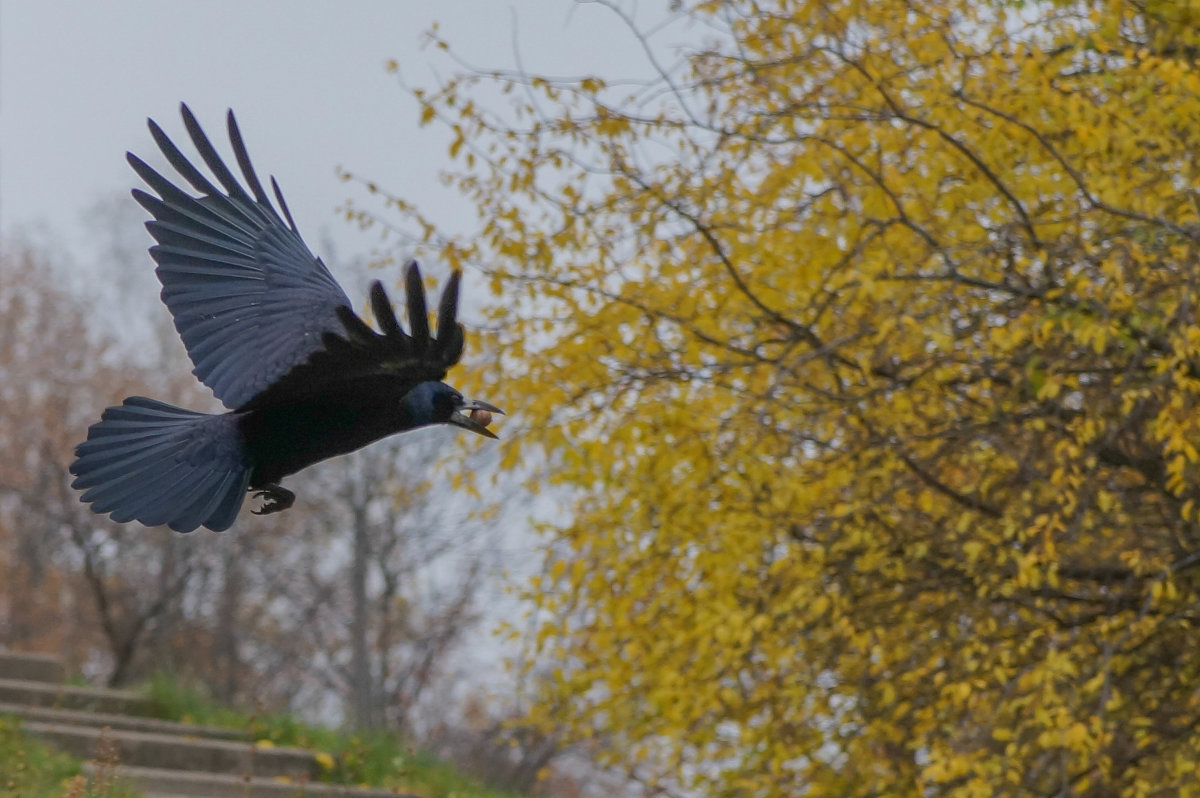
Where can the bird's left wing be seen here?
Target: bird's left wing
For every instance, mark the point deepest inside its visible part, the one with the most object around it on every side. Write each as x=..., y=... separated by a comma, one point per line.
x=249, y=299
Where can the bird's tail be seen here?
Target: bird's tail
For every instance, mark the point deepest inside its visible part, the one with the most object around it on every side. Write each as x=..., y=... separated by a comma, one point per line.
x=159, y=464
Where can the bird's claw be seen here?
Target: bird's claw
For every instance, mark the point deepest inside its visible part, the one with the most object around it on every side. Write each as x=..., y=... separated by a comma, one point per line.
x=275, y=499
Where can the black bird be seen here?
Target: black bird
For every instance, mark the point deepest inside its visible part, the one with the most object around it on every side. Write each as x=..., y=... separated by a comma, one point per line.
x=273, y=335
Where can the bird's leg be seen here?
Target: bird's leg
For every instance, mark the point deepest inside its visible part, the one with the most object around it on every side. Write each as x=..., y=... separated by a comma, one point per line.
x=276, y=498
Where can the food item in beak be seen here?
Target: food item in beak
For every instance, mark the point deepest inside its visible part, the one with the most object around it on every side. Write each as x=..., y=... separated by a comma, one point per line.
x=481, y=416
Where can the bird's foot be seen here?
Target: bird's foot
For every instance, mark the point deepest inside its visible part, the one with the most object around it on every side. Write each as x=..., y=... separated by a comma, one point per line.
x=276, y=498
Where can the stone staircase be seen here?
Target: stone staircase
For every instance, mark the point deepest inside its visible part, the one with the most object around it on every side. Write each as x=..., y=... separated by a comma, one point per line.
x=110, y=729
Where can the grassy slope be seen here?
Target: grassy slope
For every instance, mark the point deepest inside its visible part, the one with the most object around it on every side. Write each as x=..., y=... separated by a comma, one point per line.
x=29, y=769
x=361, y=760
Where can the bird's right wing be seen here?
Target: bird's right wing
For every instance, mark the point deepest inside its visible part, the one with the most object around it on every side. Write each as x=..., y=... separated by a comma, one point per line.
x=249, y=299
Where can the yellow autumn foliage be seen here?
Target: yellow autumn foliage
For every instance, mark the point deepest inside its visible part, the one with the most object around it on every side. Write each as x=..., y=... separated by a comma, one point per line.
x=867, y=348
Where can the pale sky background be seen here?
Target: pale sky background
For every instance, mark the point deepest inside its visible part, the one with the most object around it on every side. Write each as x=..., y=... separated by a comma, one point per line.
x=306, y=80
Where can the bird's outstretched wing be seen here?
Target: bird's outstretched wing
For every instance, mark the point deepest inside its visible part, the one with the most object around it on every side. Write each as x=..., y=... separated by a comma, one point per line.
x=360, y=359
x=261, y=317
x=249, y=299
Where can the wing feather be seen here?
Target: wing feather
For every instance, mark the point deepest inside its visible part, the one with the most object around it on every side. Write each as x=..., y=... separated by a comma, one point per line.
x=418, y=315
x=215, y=164
x=385, y=316
x=243, y=158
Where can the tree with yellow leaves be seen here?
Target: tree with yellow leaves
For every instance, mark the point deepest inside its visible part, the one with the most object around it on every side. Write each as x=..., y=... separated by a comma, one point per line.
x=867, y=344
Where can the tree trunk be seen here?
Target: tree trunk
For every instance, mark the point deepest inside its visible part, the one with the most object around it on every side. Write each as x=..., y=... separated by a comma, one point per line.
x=366, y=710
x=226, y=653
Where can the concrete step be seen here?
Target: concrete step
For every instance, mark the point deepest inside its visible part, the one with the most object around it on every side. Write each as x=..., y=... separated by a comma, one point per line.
x=45, y=668
x=172, y=752
x=160, y=783
x=123, y=722
x=94, y=699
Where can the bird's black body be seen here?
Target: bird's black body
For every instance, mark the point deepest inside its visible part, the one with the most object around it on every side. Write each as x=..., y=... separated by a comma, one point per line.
x=285, y=438
x=271, y=332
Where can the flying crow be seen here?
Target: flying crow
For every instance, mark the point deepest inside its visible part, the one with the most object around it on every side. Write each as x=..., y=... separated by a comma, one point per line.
x=273, y=335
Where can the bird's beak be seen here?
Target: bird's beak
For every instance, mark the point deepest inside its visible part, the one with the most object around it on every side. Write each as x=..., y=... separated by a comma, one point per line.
x=462, y=417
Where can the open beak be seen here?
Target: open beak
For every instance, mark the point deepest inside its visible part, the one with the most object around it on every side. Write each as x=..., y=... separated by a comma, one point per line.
x=462, y=417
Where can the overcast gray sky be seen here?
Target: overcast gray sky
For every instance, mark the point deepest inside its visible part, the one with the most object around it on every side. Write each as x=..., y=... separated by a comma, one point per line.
x=307, y=81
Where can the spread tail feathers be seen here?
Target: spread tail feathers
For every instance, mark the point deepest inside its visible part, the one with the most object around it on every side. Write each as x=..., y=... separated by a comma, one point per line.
x=159, y=464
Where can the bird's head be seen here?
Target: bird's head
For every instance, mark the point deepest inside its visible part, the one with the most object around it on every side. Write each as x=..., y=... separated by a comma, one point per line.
x=438, y=403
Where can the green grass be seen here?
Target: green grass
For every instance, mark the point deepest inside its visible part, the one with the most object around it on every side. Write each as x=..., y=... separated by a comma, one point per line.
x=29, y=769
x=365, y=760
